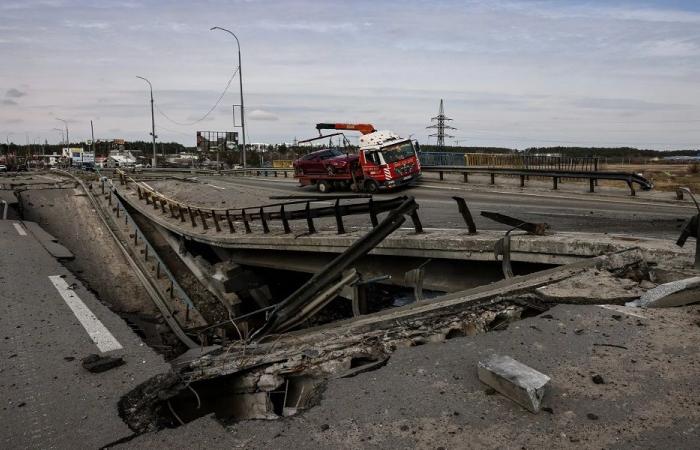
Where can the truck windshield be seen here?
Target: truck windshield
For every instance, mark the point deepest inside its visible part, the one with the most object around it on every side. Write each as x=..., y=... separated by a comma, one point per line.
x=398, y=152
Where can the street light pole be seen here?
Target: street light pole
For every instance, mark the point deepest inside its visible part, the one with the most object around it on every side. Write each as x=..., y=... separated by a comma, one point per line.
x=153, y=121
x=60, y=130
x=65, y=122
x=240, y=83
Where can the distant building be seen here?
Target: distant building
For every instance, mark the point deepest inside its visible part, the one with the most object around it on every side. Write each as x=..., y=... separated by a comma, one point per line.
x=120, y=159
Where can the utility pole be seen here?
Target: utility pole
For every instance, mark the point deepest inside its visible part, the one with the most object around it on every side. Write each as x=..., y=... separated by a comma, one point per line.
x=240, y=82
x=440, y=125
x=92, y=132
x=65, y=122
x=153, y=122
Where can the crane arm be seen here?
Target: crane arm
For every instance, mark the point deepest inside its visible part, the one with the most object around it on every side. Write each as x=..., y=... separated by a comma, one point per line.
x=364, y=128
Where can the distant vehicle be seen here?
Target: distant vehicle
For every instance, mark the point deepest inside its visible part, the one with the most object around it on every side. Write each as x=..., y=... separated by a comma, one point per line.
x=385, y=161
x=3, y=168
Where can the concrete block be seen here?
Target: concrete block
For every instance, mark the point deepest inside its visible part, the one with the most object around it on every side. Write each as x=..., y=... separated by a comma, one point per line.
x=675, y=293
x=520, y=383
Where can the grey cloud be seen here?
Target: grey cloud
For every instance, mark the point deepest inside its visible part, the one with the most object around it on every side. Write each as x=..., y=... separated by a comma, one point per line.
x=261, y=115
x=14, y=93
x=627, y=104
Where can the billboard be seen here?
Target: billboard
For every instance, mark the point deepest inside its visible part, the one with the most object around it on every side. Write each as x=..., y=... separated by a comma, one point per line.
x=213, y=141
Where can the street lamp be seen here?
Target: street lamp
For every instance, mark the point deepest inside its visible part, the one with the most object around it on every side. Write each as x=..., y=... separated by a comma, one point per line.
x=65, y=122
x=60, y=130
x=240, y=81
x=153, y=121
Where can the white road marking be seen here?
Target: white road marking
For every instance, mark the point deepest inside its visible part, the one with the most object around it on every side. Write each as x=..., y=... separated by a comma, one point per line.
x=99, y=334
x=19, y=229
x=215, y=186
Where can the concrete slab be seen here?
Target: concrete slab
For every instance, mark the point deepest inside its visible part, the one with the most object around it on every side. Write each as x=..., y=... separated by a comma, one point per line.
x=675, y=293
x=49, y=242
x=555, y=248
x=49, y=399
x=424, y=397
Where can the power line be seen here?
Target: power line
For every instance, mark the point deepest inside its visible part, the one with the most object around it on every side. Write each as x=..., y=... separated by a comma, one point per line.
x=210, y=109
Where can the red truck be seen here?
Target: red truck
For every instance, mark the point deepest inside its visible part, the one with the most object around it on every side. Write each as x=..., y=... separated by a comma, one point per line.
x=385, y=161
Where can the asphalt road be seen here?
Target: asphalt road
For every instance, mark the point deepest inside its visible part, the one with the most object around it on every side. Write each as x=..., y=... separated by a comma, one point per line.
x=49, y=322
x=563, y=211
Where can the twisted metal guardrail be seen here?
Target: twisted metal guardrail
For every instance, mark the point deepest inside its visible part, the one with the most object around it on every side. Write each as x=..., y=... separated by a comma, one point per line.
x=220, y=219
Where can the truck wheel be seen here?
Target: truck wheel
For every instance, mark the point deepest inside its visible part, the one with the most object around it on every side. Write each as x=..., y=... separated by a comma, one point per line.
x=371, y=186
x=323, y=187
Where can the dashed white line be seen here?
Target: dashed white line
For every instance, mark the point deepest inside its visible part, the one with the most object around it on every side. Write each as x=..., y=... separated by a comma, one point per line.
x=215, y=186
x=99, y=334
x=19, y=229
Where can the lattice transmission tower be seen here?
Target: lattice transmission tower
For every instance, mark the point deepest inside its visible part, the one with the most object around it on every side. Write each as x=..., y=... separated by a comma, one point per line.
x=440, y=126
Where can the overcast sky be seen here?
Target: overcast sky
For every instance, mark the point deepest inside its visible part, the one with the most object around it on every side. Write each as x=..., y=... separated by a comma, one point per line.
x=515, y=73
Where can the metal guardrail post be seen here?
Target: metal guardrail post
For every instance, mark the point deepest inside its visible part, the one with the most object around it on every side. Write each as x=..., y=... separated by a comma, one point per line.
x=309, y=219
x=373, y=213
x=466, y=214
x=264, y=221
x=416, y=221
x=245, y=222
x=339, y=217
x=493, y=178
x=591, y=183
x=203, y=218
x=216, y=221
x=522, y=180
x=442, y=177
x=285, y=222
x=555, y=183
x=466, y=177
x=194, y=222
x=231, y=228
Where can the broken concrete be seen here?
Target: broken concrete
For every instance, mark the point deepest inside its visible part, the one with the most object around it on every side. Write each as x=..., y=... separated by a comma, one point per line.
x=520, y=383
x=591, y=287
x=675, y=293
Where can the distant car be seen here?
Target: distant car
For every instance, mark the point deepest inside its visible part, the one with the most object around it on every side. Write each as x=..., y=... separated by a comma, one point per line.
x=328, y=162
x=3, y=168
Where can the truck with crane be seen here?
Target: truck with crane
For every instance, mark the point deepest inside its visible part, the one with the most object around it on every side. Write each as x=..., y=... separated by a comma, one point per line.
x=384, y=161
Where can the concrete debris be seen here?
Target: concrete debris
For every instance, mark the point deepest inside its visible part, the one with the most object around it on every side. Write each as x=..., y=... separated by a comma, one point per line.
x=592, y=286
x=96, y=363
x=675, y=293
x=522, y=384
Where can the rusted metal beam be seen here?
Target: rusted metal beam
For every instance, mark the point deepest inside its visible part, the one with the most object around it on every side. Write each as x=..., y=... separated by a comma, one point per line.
x=288, y=311
x=466, y=214
x=532, y=228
